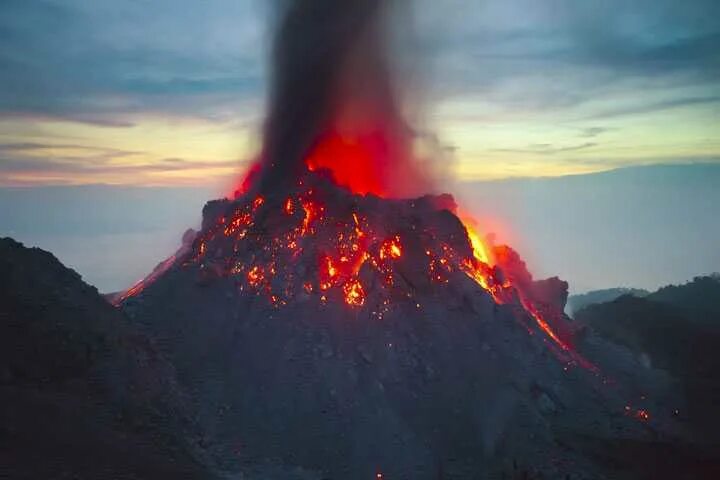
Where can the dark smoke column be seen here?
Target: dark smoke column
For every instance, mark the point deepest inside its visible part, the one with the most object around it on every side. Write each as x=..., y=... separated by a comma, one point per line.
x=329, y=61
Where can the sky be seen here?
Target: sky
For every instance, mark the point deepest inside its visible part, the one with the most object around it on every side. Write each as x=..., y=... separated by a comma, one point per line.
x=161, y=102
x=171, y=93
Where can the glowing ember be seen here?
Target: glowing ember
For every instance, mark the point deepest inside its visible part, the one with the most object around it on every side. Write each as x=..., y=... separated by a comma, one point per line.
x=311, y=213
x=328, y=273
x=639, y=414
x=354, y=293
x=391, y=248
x=255, y=276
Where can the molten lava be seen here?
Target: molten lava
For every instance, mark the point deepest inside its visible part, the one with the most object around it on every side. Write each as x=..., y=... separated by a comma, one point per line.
x=354, y=293
x=138, y=287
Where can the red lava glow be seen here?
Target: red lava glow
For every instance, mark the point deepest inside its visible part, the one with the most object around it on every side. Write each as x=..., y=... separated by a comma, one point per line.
x=353, y=162
x=368, y=153
x=391, y=248
x=248, y=179
x=140, y=286
x=354, y=293
x=639, y=414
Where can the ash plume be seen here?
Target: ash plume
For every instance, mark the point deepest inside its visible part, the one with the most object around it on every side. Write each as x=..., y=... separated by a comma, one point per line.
x=331, y=71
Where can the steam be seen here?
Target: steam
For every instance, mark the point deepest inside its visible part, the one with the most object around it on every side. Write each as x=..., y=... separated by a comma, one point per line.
x=332, y=74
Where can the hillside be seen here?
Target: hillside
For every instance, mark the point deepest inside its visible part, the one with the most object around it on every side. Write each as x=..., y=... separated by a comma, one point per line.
x=677, y=329
x=84, y=395
x=580, y=301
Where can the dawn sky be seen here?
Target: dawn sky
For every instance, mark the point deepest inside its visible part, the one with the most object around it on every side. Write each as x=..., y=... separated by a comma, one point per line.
x=171, y=92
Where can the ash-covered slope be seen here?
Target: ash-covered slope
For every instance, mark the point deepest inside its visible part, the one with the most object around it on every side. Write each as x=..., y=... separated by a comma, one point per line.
x=82, y=394
x=352, y=336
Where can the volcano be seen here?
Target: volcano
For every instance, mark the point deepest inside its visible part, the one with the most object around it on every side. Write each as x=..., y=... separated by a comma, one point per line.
x=333, y=321
x=355, y=336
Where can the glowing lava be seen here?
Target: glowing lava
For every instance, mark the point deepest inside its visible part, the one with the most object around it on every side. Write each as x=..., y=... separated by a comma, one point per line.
x=391, y=248
x=138, y=287
x=480, y=251
x=354, y=293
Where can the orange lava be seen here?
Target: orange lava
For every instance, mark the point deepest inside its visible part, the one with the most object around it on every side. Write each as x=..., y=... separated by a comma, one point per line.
x=140, y=286
x=354, y=293
x=391, y=248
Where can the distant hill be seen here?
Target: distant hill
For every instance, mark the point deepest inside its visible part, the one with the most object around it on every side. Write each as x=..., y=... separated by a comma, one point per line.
x=701, y=296
x=678, y=329
x=82, y=393
x=578, y=302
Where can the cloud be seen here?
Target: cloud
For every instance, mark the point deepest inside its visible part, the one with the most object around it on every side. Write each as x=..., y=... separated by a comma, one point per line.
x=40, y=148
x=592, y=132
x=536, y=56
x=656, y=106
x=76, y=161
x=546, y=148
x=74, y=165
x=103, y=63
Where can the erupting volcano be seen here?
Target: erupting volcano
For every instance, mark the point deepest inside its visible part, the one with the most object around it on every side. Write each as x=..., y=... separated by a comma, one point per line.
x=321, y=242
x=333, y=317
x=319, y=215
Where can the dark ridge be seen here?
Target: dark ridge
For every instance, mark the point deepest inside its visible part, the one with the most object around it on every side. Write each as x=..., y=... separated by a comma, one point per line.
x=84, y=395
x=677, y=329
x=578, y=302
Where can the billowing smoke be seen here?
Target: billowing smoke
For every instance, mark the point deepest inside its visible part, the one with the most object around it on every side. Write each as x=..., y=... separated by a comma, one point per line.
x=333, y=102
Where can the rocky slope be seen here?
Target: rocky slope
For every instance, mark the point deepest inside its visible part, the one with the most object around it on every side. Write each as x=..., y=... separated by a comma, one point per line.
x=83, y=393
